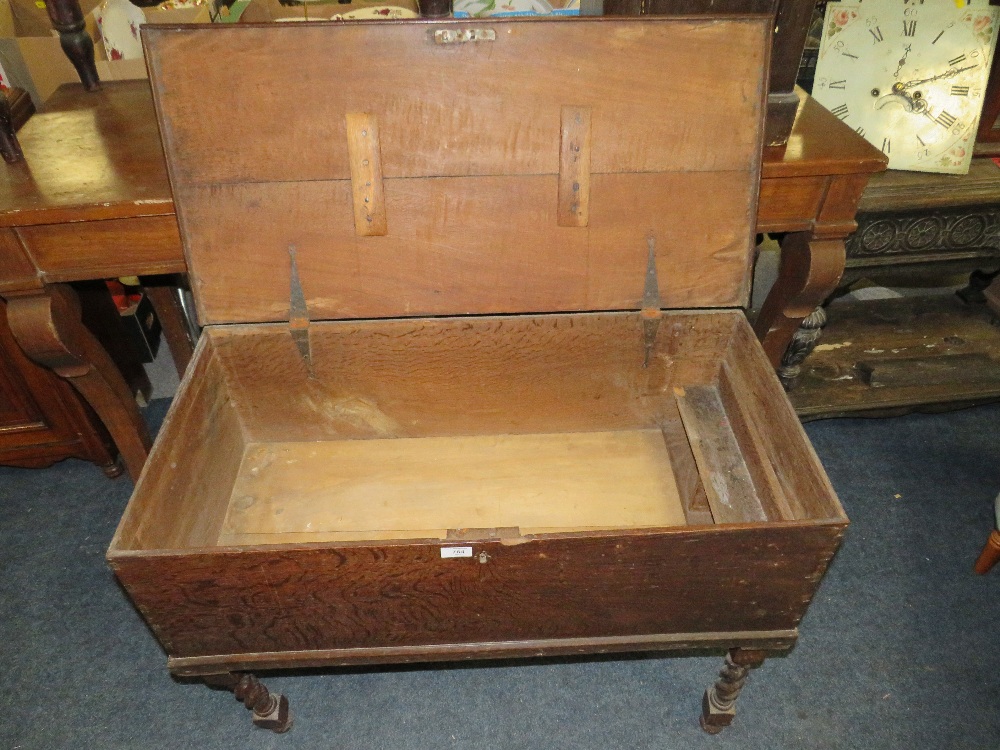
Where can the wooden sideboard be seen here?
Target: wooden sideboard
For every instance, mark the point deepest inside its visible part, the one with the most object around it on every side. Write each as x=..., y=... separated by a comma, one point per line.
x=92, y=200
x=42, y=418
x=897, y=355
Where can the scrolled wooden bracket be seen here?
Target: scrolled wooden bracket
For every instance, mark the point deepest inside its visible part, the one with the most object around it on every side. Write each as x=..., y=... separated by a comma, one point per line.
x=47, y=326
x=809, y=271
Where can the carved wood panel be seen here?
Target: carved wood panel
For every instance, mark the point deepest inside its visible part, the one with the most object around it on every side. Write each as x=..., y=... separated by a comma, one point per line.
x=975, y=231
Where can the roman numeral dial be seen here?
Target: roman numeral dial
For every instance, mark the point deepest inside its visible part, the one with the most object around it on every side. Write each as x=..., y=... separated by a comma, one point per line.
x=909, y=76
x=945, y=120
x=841, y=111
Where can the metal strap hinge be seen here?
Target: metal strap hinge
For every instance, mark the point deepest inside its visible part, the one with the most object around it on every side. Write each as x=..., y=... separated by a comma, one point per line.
x=650, y=312
x=298, y=312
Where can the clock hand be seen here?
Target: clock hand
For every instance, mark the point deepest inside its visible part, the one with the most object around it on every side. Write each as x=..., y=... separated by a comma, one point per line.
x=898, y=97
x=950, y=73
x=902, y=61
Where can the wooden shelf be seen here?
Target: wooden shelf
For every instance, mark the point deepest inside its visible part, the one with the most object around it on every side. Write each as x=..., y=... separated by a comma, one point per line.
x=896, y=355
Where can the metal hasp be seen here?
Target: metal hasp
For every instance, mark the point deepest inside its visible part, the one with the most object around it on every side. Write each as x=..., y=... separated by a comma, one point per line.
x=650, y=312
x=461, y=36
x=298, y=313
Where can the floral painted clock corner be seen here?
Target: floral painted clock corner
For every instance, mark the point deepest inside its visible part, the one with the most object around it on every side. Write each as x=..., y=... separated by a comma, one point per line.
x=909, y=76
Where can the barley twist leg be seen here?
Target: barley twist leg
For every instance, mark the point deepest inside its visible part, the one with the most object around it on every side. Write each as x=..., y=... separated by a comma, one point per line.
x=718, y=707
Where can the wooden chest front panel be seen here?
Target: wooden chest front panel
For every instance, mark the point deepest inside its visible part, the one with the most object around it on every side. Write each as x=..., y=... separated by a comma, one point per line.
x=270, y=600
x=292, y=582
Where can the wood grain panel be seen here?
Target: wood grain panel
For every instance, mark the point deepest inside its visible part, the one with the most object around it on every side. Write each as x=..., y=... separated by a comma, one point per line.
x=770, y=640
x=483, y=108
x=279, y=598
x=420, y=488
x=468, y=245
x=89, y=155
x=16, y=269
x=96, y=249
x=181, y=495
x=462, y=376
x=789, y=199
x=724, y=474
x=804, y=482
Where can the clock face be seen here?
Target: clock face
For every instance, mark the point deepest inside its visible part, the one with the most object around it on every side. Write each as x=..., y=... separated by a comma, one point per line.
x=908, y=76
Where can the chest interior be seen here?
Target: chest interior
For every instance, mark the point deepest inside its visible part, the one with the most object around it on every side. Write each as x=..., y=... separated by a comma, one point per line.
x=469, y=283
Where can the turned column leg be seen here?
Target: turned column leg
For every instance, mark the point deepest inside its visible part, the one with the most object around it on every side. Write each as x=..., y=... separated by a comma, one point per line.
x=809, y=271
x=10, y=149
x=718, y=707
x=270, y=710
x=67, y=19
x=46, y=324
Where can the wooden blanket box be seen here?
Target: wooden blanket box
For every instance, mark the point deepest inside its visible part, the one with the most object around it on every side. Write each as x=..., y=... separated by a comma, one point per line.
x=475, y=380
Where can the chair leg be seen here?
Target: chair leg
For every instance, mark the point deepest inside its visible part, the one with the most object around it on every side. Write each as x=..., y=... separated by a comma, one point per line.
x=990, y=555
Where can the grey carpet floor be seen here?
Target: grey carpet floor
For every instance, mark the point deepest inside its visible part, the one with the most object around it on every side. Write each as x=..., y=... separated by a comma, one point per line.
x=900, y=649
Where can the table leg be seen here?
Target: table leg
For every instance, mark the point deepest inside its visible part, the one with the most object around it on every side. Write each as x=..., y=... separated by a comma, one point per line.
x=812, y=263
x=47, y=326
x=809, y=271
x=175, y=331
x=10, y=149
x=67, y=19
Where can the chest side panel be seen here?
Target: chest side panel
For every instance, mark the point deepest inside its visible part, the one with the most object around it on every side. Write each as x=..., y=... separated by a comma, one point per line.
x=475, y=141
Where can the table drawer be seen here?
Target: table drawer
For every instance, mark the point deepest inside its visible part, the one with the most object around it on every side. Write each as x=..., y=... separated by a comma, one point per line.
x=95, y=249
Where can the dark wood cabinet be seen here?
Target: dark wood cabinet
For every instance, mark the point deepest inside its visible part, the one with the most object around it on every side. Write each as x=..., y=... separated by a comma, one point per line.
x=42, y=418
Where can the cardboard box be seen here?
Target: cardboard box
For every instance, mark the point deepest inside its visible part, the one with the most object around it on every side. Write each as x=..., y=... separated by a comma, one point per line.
x=39, y=65
x=32, y=19
x=502, y=8
x=265, y=11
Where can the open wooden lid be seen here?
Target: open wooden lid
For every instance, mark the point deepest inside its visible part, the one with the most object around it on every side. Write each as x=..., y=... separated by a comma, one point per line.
x=453, y=167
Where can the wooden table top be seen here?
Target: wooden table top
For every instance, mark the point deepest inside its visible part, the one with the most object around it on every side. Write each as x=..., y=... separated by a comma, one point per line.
x=89, y=156
x=820, y=144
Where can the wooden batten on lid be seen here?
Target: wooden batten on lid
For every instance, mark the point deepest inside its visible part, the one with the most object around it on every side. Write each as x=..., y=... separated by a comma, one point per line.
x=435, y=168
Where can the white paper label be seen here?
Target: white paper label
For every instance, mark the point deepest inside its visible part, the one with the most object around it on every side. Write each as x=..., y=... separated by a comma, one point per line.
x=456, y=552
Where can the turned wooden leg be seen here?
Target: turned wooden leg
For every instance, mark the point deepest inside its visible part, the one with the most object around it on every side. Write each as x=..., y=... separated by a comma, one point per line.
x=990, y=555
x=10, y=149
x=718, y=707
x=67, y=19
x=270, y=710
x=46, y=324
x=809, y=271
